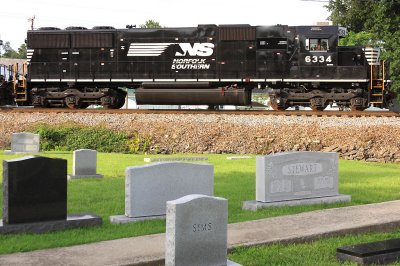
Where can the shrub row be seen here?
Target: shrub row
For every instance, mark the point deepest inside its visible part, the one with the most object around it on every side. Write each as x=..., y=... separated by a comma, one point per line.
x=69, y=137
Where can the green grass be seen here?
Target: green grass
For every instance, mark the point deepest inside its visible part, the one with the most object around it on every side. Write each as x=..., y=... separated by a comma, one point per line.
x=321, y=252
x=234, y=180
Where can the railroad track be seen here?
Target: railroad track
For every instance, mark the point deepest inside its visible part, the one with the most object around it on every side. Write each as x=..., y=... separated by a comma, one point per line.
x=186, y=111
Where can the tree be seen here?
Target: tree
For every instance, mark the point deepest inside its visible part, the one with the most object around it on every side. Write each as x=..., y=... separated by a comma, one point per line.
x=378, y=19
x=150, y=24
x=9, y=52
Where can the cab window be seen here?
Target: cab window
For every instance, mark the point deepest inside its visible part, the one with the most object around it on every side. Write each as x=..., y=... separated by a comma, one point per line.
x=317, y=45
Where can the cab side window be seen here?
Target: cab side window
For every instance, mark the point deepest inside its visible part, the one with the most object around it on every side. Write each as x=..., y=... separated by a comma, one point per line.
x=318, y=45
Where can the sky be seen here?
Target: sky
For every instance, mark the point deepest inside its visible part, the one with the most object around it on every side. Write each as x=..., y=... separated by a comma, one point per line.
x=169, y=13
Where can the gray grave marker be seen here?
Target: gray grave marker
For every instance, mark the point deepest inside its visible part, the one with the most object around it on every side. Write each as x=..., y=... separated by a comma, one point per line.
x=24, y=142
x=149, y=187
x=84, y=164
x=196, y=231
x=296, y=178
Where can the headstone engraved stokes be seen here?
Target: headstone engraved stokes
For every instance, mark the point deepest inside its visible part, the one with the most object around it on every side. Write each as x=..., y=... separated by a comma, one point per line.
x=84, y=164
x=295, y=178
x=35, y=196
x=24, y=142
x=196, y=231
x=149, y=187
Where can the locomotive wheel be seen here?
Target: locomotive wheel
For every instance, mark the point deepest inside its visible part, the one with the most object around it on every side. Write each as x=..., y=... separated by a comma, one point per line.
x=277, y=107
x=357, y=108
x=317, y=104
x=72, y=102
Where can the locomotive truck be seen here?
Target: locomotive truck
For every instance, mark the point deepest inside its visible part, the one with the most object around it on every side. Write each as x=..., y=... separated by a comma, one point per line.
x=204, y=65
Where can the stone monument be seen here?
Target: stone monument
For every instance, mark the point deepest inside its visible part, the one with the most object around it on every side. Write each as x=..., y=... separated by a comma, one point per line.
x=149, y=187
x=84, y=164
x=296, y=178
x=35, y=197
x=24, y=142
x=196, y=231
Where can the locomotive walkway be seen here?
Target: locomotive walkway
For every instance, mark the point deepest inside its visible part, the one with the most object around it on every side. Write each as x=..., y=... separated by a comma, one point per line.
x=149, y=250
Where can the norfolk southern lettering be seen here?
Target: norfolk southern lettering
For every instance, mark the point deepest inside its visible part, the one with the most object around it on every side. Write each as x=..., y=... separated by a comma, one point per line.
x=190, y=64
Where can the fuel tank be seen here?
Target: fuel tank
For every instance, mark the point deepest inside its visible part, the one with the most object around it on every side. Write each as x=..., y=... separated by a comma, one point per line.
x=192, y=95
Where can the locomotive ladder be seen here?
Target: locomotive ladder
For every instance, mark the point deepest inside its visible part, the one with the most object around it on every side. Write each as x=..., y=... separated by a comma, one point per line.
x=19, y=83
x=377, y=83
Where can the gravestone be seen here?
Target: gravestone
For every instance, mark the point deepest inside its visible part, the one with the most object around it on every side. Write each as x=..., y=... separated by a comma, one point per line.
x=24, y=142
x=381, y=252
x=196, y=231
x=84, y=164
x=296, y=178
x=149, y=187
x=35, y=196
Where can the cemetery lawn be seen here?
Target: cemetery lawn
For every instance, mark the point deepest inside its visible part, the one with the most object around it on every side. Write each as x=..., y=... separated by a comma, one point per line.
x=234, y=180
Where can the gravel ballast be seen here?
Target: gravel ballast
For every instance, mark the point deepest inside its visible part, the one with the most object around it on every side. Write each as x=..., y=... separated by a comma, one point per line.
x=358, y=138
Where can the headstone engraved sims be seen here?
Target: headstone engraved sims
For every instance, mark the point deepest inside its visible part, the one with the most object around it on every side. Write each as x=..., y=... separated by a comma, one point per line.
x=196, y=231
x=296, y=178
x=24, y=142
x=149, y=187
x=84, y=164
x=35, y=196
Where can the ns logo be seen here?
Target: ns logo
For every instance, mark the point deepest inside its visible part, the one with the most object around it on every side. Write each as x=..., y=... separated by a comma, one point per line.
x=198, y=49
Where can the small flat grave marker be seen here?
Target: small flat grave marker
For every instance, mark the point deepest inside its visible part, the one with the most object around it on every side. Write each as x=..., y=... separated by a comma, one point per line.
x=381, y=252
x=174, y=159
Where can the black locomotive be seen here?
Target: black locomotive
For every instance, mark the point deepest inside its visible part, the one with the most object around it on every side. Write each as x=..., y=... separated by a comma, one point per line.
x=205, y=65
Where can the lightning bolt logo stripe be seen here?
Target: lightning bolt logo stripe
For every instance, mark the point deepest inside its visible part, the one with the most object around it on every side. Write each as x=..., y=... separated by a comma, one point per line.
x=147, y=49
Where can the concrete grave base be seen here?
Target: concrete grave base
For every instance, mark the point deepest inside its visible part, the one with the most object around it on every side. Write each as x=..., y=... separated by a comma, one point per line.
x=84, y=176
x=232, y=263
x=72, y=221
x=10, y=152
x=253, y=205
x=122, y=219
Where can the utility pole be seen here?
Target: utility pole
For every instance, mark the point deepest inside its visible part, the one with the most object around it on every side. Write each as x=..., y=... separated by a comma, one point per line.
x=32, y=21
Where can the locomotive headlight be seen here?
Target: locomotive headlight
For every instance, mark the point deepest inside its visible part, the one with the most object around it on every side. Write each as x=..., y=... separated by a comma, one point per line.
x=278, y=101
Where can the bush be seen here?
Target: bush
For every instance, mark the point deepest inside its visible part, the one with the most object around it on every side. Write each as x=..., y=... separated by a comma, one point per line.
x=71, y=137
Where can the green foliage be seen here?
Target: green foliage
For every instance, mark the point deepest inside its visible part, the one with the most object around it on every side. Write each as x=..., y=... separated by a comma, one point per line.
x=378, y=19
x=151, y=24
x=9, y=52
x=359, y=39
x=72, y=137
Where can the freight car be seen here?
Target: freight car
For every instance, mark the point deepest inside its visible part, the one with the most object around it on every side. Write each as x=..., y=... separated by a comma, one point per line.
x=205, y=65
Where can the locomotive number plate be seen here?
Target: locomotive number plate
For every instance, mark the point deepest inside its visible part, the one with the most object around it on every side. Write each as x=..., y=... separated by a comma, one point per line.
x=318, y=59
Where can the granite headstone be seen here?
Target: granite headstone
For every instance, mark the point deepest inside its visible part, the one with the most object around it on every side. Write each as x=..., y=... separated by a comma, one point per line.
x=84, y=164
x=196, y=231
x=24, y=142
x=34, y=189
x=35, y=197
x=296, y=178
x=376, y=253
x=149, y=187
